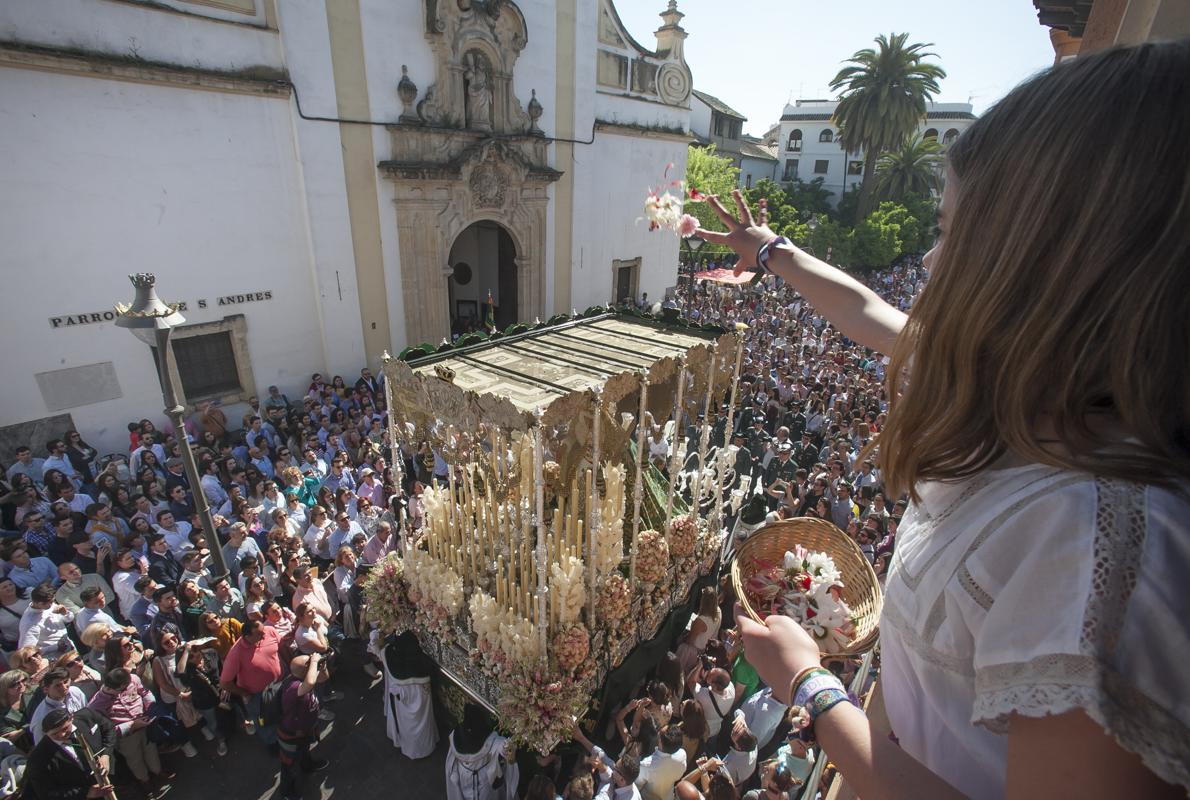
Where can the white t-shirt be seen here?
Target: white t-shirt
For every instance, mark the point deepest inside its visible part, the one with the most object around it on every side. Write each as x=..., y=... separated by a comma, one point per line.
x=1034, y=590
x=723, y=700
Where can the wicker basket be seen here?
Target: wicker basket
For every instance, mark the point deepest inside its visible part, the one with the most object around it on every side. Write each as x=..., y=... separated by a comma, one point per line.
x=861, y=590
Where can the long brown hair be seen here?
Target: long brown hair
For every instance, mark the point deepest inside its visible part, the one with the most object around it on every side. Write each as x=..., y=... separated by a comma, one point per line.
x=1059, y=302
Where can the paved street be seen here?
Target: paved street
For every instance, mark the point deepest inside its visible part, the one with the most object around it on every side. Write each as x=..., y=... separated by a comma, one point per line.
x=364, y=763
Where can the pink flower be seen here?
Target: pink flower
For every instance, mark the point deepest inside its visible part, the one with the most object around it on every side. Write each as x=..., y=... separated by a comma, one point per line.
x=695, y=195
x=687, y=225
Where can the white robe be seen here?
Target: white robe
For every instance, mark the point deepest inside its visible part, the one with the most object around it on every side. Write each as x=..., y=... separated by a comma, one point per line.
x=472, y=776
x=409, y=712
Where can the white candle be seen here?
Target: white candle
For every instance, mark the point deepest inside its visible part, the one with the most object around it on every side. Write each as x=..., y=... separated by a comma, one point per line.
x=673, y=447
x=640, y=461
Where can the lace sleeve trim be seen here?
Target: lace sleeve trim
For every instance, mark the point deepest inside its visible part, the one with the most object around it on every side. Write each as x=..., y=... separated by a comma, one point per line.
x=1057, y=684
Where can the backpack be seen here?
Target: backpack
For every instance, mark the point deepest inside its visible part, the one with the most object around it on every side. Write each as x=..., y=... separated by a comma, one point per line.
x=270, y=702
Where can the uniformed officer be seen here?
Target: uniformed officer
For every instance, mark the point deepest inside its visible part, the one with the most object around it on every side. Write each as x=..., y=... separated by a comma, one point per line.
x=779, y=476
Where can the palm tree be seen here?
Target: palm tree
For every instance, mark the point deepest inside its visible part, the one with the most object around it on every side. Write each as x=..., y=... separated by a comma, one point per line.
x=913, y=168
x=884, y=95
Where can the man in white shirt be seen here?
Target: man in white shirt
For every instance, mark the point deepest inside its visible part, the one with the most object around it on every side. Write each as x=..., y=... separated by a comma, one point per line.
x=761, y=714
x=176, y=533
x=740, y=760
x=43, y=624
x=92, y=612
x=59, y=693
x=715, y=693
x=664, y=767
x=147, y=442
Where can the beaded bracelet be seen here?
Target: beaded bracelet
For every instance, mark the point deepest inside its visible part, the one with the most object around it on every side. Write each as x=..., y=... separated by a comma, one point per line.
x=825, y=700
x=813, y=685
x=802, y=677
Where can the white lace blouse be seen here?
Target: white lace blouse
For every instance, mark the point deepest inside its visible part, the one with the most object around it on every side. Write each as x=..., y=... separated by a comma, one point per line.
x=1035, y=591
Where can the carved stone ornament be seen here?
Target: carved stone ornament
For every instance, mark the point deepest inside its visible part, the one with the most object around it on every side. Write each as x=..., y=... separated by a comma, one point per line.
x=475, y=46
x=488, y=185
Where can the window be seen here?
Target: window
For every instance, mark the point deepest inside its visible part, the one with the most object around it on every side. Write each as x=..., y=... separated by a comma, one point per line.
x=821, y=166
x=211, y=361
x=612, y=70
x=826, y=136
x=748, y=181
x=790, y=170
x=207, y=364
x=931, y=133
x=950, y=136
x=795, y=142
x=855, y=168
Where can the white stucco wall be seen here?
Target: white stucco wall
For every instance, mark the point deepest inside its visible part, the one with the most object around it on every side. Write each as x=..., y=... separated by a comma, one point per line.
x=106, y=178
x=616, y=172
x=134, y=31
x=700, y=117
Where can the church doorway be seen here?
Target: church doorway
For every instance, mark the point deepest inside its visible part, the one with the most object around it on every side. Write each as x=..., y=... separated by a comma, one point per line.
x=483, y=271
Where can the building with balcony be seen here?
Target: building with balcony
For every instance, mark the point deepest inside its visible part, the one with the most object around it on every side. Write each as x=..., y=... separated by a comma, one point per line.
x=809, y=146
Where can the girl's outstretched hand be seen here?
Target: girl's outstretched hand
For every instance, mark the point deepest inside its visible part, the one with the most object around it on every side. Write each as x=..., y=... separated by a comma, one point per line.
x=744, y=235
x=779, y=649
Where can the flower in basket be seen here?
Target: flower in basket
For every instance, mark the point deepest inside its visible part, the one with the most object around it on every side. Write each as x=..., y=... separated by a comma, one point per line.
x=571, y=646
x=806, y=587
x=683, y=534
x=652, y=557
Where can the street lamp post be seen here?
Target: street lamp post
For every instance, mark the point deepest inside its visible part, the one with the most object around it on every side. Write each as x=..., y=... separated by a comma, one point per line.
x=152, y=321
x=692, y=243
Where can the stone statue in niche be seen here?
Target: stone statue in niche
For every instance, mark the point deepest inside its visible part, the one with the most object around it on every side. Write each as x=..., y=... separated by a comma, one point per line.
x=478, y=81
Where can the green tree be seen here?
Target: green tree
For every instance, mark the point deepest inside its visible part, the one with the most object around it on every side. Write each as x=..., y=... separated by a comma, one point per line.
x=811, y=199
x=884, y=95
x=924, y=209
x=710, y=174
x=847, y=206
x=912, y=168
x=784, y=217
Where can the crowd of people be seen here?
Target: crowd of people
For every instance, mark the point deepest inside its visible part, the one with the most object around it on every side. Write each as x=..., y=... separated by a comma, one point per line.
x=111, y=615
x=114, y=614
x=703, y=724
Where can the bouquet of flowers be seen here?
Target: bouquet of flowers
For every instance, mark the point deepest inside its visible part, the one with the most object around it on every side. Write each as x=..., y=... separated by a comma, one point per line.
x=806, y=587
x=538, y=707
x=384, y=594
x=613, y=601
x=572, y=645
x=652, y=558
x=683, y=534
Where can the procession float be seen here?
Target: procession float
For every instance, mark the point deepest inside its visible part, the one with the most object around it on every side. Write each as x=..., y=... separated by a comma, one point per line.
x=554, y=547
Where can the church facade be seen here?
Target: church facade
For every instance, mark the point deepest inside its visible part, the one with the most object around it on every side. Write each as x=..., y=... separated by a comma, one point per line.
x=317, y=182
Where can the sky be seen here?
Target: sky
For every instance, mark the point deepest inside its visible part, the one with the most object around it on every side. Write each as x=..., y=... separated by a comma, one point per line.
x=757, y=55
